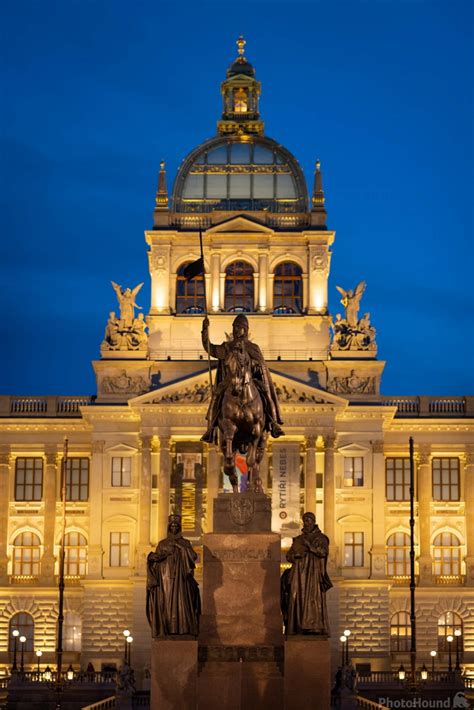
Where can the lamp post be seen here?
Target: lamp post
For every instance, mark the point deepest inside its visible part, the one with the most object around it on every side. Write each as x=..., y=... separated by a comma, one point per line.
x=126, y=635
x=70, y=672
x=401, y=673
x=347, y=633
x=15, y=634
x=22, y=664
x=433, y=656
x=38, y=656
x=343, y=640
x=424, y=672
x=449, y=639
x=129, y=644
x=457, y=633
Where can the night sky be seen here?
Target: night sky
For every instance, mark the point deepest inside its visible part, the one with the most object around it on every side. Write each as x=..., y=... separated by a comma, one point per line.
x=95, y=94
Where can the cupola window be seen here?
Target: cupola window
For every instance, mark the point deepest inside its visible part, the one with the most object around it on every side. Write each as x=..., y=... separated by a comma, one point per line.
x=240, y=101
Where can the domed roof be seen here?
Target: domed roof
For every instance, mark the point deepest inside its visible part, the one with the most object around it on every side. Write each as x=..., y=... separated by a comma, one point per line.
x=240, y=66
x=240, y=173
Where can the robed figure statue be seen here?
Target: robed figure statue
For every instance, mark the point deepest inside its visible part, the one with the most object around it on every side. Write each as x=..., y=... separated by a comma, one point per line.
x=173, y=603
x=304, y=585
x=244, y=407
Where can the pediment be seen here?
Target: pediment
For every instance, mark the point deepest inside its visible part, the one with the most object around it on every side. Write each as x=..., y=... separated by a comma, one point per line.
x=121, y=448
x=240, y=223
x=194, y=390
x=353, y=450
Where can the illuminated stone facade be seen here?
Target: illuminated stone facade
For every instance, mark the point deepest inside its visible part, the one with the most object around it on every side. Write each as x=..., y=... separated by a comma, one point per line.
x=135, y=452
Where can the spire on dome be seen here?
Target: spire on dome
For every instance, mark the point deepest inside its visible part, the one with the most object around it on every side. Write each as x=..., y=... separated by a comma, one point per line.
x=161, y=199
x=318, y=210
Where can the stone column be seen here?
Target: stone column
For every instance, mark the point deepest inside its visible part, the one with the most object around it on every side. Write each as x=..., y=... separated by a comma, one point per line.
x=155, y=471
x=222, y=290
x=215, y=281
x=319, y=456
x=263, y=273
x=164, y=486
x=310, y=475
x=213, y=468
x=424, y=501
x=270, y=279
x=51, y=481
x=143, y=546
x=95, y=550
x=378, y=553
x=330, y=499
x=5, y=469
x=468, y=458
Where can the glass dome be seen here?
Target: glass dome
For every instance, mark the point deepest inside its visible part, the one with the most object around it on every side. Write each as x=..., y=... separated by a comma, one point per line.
x=240, y=173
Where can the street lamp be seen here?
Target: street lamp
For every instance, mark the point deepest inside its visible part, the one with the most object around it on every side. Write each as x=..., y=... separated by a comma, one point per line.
x=433, y=656
x=70, y=672
x=450, y=639
x=457, y=633
x=401, y=673
x=129, y=642
x=424, y=672
x=347, y=633
x=38, y=656
x=15, y=634
x=126, y=634
x=343, y=640
x=22, y=641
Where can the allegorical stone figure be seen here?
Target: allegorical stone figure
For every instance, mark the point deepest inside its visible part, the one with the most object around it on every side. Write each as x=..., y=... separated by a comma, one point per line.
x=173, y=603
x=126, y=299
x=304, y=585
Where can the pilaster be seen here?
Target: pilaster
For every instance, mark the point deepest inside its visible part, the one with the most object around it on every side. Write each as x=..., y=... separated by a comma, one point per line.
x=5, y=477
x=143, y=547
x=52, y=465
x=263, y=273
x=378, y=553
x=96, y=551
x=468, y=460
x=423, y=461
x=215, y=282
x=310, y=477
x=164, y=486
x=329, y=500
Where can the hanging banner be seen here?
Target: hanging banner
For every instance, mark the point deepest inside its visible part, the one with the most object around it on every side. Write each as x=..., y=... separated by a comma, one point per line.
x=286, y=518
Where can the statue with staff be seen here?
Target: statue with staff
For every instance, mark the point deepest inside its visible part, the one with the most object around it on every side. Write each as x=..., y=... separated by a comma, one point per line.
x=244, y=407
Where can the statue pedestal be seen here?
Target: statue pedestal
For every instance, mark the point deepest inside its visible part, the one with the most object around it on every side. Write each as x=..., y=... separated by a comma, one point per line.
x=174, y=663
x=307, y=671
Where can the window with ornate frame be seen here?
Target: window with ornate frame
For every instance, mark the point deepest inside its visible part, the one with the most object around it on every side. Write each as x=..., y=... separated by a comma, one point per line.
x=398, y=555
x=119, y=549
x=23, y=622
x=72, y=631
x=28, y=478
x=448, y=624
x=353, y=471
x=189, y=293
x=77, y=479
x=239, y=288
x=75, y=555
x=121, y=471
x=400, y=632
x=445, y=472
x=446, y=555
x=288, y=288
x=26, y=555
x=397, y=478
x=353, y=549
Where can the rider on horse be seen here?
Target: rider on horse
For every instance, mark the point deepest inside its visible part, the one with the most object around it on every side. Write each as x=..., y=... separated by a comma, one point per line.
x=252, y=359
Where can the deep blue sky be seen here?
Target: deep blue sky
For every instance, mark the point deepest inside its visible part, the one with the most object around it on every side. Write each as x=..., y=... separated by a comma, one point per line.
x=96, y=93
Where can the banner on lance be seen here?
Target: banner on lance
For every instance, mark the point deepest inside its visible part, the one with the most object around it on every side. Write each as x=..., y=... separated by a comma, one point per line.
x=286, y=518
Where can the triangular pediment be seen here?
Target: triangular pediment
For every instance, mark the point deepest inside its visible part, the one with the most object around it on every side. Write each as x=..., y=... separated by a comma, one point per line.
x=240, y=223
x=194, y=390
x=121, y=449
x=354, y=450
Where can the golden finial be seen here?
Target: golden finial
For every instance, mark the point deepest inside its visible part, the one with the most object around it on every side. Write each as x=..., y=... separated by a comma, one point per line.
x=241, y=47
x=162, y=165
x=318, y=165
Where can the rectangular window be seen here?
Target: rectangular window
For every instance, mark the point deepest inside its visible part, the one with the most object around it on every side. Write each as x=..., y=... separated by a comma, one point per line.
x=445, y=472
x=239, y=186
x=77, y=479
x=193, y=186
x=121, y=471
x=216, y=186
x=353, y=549
x=353, y=471
x=29, y=478
x=397, y=478
x=119, y=549
x=263, y=186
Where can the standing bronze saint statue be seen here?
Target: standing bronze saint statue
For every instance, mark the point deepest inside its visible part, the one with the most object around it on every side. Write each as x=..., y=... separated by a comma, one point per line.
x=304, y=585
x=173, y=604
x=244, y=407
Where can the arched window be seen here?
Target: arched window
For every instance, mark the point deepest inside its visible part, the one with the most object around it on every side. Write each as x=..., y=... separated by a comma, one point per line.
x=446, y=555
x=26, y=555
x=75, y=558
x=448, y=624
x=239, y=287
x=72, y=631
x=400, y=632
x=288, y=288
x=189, y=294
x=398, y=555
x=24, y=623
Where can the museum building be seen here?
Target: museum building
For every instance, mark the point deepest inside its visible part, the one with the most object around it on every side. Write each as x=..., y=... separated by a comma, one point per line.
x=135, y=452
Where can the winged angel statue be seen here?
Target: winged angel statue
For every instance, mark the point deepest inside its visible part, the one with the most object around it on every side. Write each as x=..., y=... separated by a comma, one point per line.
x=351, y=302
x=126, y=299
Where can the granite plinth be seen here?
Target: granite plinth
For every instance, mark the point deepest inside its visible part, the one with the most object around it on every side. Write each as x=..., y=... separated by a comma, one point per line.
x=236, y=685
x=307, y=672
x=174, y=664
x=241, y=590
x=242, y=513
